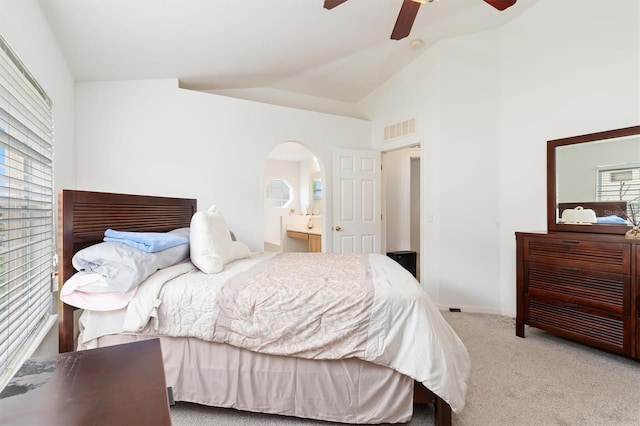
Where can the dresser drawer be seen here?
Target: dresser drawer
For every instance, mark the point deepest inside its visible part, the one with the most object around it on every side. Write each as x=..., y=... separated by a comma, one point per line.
x=601, y=290
x=611, y=332
x=582, y=254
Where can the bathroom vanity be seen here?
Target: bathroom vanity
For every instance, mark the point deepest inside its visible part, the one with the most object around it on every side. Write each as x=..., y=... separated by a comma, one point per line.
x=313, y=236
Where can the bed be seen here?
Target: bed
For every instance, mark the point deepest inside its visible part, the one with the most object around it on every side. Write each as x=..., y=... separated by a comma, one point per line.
x=350, y=389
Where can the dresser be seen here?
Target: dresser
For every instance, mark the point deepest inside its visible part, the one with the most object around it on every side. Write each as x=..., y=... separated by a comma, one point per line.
x=582, y=286
x=580, y=279
x=114, y=385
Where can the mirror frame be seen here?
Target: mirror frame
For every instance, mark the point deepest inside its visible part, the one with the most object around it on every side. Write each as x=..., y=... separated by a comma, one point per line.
x=552, y=224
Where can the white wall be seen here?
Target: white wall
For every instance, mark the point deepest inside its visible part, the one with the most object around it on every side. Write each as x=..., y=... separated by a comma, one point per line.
x=396, y=171
x=452, y=90
x=485, y=106
x=151, y=137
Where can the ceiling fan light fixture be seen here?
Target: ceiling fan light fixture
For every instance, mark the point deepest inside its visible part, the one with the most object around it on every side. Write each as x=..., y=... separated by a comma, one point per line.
x=421, y=1
x=416, y=44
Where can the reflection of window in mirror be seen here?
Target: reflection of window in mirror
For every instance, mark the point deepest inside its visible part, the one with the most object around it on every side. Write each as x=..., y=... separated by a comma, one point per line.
x=279, y=193
x=619, y=183
x=317, y=189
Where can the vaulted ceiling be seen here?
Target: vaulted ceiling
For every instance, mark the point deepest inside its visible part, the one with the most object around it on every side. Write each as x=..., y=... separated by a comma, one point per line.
x=290, y=46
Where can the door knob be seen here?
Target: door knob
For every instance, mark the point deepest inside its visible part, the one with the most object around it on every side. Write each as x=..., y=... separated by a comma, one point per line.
x=337, y=228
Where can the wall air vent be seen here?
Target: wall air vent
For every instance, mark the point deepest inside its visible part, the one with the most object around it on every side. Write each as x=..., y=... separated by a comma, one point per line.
x=397, y=130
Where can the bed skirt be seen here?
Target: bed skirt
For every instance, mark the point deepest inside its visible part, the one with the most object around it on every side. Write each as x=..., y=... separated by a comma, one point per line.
x=346, y=391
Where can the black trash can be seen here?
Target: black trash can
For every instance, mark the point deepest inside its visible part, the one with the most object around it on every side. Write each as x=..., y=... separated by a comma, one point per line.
x=405, y=258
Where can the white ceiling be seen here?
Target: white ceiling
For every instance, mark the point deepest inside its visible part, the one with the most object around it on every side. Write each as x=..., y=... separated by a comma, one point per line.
x=292, y=46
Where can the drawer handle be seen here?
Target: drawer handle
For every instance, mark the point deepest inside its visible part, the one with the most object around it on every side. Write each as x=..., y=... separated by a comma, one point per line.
x=570, y=242
x=571, y=305
x=570, y=269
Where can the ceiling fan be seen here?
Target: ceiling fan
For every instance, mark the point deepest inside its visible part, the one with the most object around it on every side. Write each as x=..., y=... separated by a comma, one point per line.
x=409, y=11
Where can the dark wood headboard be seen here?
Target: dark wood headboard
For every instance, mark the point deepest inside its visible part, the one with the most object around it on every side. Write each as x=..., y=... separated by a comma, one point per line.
x=83, y=216
x=601, y=208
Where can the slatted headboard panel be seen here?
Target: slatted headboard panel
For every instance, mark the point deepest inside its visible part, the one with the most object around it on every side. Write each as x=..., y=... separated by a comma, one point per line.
x=83, y=216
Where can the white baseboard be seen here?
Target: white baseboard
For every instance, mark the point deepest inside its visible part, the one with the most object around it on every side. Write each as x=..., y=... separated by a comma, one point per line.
x=472, y=309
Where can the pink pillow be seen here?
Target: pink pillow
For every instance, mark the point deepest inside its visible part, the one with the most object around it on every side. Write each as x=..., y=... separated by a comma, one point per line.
x=89, y=290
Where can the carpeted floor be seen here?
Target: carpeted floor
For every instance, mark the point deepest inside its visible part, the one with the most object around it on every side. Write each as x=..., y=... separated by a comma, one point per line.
x=537, y=381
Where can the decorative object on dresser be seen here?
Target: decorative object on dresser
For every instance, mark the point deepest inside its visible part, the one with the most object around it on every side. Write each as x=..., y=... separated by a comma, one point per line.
x=582, y=281
x=634, y=218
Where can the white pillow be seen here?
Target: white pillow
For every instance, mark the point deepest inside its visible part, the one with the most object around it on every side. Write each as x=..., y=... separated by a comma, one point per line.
x=210, y=241
x=239, y=250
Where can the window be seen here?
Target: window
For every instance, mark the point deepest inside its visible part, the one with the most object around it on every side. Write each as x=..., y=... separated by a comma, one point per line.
x=279, y=193
x=317, y=189
x=620, y=183
x=26, y=211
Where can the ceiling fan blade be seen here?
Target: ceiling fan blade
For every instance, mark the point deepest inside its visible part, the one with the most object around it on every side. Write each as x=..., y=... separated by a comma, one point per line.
x=330, y=4
x=407, y=15
x=501, y=4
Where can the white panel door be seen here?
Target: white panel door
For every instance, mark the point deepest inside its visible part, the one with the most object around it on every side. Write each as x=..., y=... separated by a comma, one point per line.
x=356, y=201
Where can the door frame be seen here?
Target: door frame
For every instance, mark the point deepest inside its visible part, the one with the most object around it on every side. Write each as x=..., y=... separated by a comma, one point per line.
x=415, y=143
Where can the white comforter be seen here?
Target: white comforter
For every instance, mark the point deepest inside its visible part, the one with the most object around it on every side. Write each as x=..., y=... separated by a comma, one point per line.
x=402, y=330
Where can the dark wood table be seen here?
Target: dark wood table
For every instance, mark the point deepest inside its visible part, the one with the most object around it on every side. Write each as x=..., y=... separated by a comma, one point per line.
x=115, y=385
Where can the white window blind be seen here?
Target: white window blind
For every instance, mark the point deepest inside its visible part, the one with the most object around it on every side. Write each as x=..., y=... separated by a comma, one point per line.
x=620, y=183
x=26, y=210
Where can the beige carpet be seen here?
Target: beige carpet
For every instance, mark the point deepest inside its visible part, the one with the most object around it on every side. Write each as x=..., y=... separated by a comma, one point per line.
x=536, y=381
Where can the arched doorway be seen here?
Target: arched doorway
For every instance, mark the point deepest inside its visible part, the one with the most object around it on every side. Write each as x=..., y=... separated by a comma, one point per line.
x=293, y=198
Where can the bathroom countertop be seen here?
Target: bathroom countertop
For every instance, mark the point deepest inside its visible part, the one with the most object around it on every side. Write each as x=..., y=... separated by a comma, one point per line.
x=304, y=230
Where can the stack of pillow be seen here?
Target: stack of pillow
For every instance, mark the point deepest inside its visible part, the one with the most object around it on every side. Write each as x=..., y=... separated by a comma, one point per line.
x=110, y=272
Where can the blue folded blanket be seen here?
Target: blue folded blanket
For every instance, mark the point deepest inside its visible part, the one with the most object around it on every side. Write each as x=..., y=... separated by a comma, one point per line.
x=149, y=242
x=613, y=219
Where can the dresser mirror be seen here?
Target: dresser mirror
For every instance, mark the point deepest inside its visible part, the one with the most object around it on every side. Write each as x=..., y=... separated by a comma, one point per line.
x=598, y=173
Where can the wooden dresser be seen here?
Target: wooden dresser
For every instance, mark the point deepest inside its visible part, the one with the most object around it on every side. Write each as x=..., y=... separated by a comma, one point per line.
x=582, y=286
x=582, y=280
x=114, y=385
